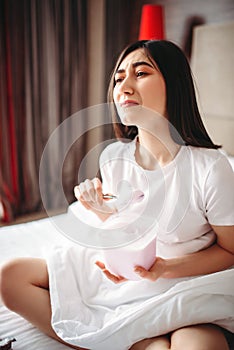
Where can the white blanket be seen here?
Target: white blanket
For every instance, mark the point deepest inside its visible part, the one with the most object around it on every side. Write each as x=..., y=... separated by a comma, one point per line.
x=90, y=311
x=100, y=316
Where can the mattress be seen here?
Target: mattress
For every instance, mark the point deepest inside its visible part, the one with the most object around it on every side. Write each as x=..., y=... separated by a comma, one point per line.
x=27, y=239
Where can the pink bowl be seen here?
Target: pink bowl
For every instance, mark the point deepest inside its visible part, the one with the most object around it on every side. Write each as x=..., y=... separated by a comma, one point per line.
x=121, y=261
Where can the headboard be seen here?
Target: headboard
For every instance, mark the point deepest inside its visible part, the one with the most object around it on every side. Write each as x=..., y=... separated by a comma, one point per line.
x=212, y=63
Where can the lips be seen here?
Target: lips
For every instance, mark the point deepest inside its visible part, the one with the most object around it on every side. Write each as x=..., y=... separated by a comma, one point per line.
x=128, y=103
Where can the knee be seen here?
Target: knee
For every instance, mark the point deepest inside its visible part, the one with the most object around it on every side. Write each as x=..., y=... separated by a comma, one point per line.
x=9, y=277
x=198, y=337
x=180, y=341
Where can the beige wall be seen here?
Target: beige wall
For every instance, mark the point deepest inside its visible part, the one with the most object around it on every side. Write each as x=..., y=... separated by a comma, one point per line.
x=212, y=65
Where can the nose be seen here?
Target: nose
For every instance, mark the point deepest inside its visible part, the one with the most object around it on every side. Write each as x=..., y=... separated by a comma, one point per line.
x=126, y=86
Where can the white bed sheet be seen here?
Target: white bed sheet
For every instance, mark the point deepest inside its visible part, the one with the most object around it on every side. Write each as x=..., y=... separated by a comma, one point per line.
x=28, y=239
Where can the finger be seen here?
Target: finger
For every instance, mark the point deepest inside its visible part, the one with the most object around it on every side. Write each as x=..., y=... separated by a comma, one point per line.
x=114, y=278
x=143, y=273
x=90, y=190
x=84, y=191
x=76, y=191
x=108, y=274
x=98, y=187
x=101, y=265
x=85, y=204
x=79, y=191
x=79, y=197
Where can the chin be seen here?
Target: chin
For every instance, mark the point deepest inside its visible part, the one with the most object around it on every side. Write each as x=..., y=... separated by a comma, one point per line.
x=130, y=116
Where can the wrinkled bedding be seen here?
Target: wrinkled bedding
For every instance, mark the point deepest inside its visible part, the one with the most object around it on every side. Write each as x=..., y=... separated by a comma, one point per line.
x=27, y=239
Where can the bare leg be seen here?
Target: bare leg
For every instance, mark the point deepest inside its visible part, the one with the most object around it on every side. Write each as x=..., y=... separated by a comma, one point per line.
x=157, y=343
x=197, y=337
x=24, y=288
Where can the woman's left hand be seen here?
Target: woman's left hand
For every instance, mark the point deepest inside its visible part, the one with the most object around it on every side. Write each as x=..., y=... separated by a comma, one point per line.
x=155, y=271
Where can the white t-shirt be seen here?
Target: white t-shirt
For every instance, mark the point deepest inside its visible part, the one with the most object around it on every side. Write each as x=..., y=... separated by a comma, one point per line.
x=182, y=199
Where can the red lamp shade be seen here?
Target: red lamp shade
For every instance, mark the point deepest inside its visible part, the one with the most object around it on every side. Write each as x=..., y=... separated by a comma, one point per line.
x=152, y=23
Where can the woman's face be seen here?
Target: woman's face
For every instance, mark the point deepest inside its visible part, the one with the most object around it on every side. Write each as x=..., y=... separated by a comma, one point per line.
x=138, y=84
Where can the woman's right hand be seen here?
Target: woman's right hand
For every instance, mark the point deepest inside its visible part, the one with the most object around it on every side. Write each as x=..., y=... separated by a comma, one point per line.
x=89, y=193
x=109, y=275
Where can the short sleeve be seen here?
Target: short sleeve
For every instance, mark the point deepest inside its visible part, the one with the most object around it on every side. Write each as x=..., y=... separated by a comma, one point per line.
x=219, y=193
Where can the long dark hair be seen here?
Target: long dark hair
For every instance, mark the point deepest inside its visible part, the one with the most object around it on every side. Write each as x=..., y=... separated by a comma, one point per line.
x=182, y=109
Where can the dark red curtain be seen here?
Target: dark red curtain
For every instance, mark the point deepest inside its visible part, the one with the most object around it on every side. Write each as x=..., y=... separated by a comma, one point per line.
x=42, y=82
x=11, y=90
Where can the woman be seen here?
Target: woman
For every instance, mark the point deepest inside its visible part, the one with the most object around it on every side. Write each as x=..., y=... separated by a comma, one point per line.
x=187, y=187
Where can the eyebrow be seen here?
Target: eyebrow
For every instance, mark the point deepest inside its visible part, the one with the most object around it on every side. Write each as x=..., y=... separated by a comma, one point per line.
x=136, y=64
